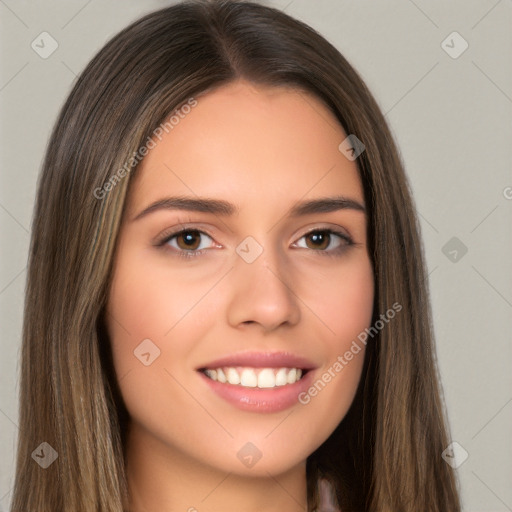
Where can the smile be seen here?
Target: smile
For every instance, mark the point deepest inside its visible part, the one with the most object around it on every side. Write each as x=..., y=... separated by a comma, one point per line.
x=254, y=377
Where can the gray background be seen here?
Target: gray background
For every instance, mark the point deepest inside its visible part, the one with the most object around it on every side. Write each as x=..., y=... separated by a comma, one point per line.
x=452, y=120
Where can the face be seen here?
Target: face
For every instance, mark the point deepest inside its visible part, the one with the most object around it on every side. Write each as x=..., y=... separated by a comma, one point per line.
x=266, y=285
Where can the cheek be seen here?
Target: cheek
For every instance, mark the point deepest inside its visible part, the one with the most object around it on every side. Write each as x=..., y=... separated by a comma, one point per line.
x=156, y=319
x=145, y=318
x=146, y=302
x=346, y=308
x=341, y=300
x=341, y=305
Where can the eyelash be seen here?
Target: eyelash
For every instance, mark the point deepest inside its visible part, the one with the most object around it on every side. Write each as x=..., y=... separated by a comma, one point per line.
x=194, y=253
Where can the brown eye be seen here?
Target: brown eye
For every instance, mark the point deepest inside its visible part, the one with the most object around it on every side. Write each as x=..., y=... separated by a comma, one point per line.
x=188, y=240
x=326, y=242
x=320, y=239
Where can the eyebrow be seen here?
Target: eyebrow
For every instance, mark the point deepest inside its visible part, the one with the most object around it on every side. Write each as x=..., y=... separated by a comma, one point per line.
x=224, y=208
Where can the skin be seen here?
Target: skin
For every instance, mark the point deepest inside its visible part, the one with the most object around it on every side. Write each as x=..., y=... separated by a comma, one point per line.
x=263, y=149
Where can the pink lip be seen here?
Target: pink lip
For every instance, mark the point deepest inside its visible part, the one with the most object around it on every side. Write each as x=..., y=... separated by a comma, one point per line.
x=261, y=400
x=261, y=360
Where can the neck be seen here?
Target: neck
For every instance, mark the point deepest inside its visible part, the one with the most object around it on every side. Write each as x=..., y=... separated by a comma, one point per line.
x=164, y=478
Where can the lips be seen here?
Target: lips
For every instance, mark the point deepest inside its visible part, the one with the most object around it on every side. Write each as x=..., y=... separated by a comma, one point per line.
x=269, y=381
x=261, y=360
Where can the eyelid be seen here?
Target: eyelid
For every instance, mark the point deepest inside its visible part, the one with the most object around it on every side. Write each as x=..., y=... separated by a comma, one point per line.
x=179, y=228
x=335, y=229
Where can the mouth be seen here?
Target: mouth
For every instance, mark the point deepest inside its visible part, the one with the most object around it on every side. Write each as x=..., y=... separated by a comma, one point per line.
x=255, y=377
x=260, y=382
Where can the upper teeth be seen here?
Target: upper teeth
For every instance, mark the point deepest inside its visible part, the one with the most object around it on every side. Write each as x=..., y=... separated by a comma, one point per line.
x=265, y=378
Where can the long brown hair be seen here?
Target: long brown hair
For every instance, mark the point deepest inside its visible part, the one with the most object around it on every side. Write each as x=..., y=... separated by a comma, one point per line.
x=386, y=453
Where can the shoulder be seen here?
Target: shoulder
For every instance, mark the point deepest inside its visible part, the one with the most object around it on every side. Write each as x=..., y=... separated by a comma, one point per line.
x=327, y=497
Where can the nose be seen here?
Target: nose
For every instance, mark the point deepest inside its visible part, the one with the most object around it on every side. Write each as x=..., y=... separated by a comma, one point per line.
x=262, y=293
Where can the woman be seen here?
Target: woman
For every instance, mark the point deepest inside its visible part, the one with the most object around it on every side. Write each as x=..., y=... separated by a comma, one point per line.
x=284, y=363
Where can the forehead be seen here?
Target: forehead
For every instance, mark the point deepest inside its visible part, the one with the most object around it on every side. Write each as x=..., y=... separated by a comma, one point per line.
x=248, y=143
